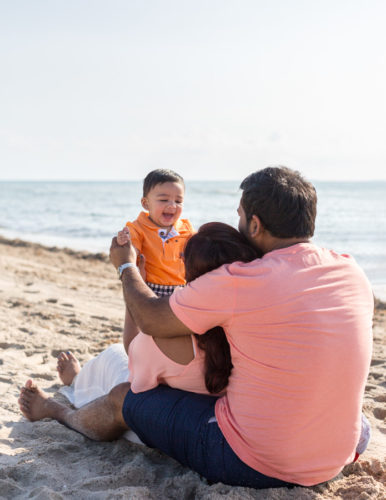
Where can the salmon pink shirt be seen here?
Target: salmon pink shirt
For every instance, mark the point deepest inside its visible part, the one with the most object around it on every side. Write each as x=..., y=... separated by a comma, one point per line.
x=299, y=325
x=149, y=367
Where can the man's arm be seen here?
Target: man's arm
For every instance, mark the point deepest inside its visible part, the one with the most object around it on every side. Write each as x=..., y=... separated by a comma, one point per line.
x=152, y=314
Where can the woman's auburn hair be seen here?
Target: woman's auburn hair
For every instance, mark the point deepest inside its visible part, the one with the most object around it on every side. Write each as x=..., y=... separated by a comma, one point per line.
x=213, y=245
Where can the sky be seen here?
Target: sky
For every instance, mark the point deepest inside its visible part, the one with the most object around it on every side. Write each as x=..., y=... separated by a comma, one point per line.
x=214, y=89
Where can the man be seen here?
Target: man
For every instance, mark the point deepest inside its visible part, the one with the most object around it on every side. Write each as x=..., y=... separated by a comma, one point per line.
x=298, y=322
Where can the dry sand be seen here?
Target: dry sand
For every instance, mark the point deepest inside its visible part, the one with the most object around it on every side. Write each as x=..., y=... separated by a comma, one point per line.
x=52, y=300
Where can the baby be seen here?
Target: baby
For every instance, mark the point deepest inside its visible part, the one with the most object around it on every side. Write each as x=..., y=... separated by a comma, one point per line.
x=159, y=237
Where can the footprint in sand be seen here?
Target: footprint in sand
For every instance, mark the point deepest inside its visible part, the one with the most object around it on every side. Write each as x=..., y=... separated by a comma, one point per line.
x=379, y=413
x=9, y=489
x=6, y=345
x=376, y=375
x=18, y=303
x=44, y=376
x=56, y=450
x=42, y=315
x=375, y=362
x=65, y=332
x=113, y=328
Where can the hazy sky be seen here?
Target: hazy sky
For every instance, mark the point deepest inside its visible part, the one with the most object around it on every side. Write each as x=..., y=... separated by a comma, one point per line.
x=111, y=89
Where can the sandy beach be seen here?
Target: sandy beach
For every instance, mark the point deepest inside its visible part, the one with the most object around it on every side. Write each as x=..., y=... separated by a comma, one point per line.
x=52, y=300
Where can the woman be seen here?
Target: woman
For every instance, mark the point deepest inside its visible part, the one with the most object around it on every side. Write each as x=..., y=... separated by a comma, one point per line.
x=199, y=364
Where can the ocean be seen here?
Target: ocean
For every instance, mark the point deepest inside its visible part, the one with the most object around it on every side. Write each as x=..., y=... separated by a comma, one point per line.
x=85, y=215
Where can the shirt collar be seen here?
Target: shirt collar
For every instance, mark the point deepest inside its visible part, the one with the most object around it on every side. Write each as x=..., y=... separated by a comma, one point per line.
x=162, y=233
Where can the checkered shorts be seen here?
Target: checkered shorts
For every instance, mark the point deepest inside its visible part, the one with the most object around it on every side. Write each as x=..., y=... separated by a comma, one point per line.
x=162, y=290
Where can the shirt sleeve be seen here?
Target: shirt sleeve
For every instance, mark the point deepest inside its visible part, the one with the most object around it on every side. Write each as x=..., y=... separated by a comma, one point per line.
x=206, y=302
x=147, y=365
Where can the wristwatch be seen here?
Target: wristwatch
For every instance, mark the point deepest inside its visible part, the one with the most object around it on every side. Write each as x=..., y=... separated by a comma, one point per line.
x=124, y=266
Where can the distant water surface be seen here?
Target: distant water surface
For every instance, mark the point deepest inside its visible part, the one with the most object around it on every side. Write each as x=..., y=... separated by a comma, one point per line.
x=84, y=215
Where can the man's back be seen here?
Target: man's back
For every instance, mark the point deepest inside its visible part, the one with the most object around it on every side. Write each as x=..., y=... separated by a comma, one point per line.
x=299, y=325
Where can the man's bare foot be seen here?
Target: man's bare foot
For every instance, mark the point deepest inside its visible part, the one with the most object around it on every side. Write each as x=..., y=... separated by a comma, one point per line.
x=33, y=402
x=68, y=367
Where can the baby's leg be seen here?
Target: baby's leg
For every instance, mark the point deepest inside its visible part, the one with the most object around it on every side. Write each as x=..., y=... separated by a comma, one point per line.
x=130, y=330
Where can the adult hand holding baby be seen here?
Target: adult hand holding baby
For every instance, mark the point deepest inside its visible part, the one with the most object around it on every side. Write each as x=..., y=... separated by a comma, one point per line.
x=122, y=253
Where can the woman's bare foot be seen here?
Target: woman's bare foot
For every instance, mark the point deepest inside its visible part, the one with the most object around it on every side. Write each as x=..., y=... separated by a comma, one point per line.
x=68, y=367
x=33, y=402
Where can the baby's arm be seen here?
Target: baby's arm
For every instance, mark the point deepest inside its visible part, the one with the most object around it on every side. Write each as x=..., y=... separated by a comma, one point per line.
x=123, y=236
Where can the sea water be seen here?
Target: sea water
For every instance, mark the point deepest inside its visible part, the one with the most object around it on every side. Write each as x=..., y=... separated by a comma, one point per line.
x=85, y=215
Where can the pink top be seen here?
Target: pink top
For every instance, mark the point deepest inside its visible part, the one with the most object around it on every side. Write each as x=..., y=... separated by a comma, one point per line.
x=298, y=322
x=149, y=367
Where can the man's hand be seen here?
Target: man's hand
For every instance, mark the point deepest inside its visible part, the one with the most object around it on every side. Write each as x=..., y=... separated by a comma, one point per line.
x=121, y=254
x=151, y=314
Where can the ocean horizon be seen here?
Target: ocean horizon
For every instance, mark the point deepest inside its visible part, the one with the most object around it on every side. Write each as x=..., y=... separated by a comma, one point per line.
x=84, y=215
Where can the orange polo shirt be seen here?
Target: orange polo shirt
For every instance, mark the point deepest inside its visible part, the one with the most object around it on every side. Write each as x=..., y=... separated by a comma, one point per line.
x=163, y=253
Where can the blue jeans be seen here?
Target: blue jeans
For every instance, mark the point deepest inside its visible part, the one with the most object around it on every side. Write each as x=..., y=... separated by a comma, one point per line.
x=177, y=423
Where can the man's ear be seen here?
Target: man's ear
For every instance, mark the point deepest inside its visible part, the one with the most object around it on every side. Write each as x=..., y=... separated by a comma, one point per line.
x=144, y=203
x=255, y=226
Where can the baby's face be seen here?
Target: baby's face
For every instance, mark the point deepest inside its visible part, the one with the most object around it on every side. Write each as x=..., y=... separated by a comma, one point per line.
x=164, y=203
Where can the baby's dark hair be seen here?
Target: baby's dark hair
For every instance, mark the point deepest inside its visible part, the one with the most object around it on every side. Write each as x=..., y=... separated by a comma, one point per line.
x=159, y=176
x=216, y=244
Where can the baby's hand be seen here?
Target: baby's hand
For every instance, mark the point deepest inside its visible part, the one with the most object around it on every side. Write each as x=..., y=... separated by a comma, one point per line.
x=123, y=236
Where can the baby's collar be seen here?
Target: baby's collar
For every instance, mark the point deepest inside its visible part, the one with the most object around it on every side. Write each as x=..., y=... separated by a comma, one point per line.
x=164, y=235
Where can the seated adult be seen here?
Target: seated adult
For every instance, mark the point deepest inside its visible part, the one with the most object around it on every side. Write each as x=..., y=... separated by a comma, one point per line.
x=200, y=363
x=298, y=322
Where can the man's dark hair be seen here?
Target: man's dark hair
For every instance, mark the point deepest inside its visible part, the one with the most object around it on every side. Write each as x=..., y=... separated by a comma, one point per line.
x=284, y=202
x=160, y=176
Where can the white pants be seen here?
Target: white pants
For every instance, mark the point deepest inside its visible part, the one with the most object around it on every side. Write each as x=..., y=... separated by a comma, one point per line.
x=97, y=377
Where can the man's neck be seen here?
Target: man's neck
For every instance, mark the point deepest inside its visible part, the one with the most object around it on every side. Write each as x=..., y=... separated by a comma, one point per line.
x=273, y=243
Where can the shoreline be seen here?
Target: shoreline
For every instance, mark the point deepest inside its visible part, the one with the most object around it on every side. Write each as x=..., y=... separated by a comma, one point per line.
x=54, y=299
x=379, y=290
